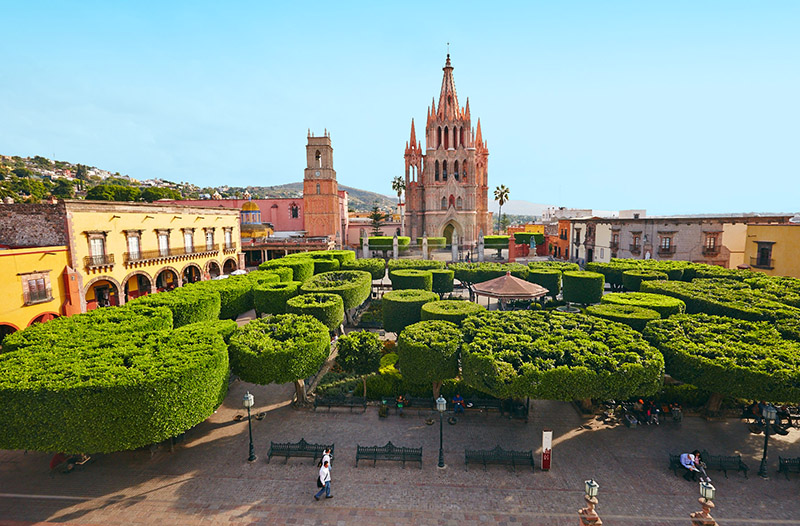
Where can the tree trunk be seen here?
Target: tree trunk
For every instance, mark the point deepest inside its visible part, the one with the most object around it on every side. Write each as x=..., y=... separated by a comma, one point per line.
x=364, y=379
x=300, y=392
x=437, y=386
x=586, y=405
x=714, y=403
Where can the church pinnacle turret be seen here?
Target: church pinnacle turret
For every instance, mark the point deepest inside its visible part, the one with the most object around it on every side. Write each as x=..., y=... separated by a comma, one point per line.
x=448, y=100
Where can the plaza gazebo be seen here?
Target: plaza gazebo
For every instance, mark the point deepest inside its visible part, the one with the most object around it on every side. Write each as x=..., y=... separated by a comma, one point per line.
x=509, y=287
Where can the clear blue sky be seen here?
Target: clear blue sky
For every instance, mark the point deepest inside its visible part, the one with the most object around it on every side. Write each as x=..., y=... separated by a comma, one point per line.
x=676, y=107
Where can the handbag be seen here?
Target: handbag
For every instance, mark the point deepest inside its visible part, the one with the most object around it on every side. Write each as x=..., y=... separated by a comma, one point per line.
x=319, y=483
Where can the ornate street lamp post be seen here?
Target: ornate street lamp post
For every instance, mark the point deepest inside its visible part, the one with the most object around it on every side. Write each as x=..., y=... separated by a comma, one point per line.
x=769, y=413
x=704, y=518
x=588, y=516
x=248, y=403
x=441, y=406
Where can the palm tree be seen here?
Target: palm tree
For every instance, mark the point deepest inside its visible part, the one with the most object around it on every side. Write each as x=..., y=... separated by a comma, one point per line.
x=501, y=196
x=398, y=185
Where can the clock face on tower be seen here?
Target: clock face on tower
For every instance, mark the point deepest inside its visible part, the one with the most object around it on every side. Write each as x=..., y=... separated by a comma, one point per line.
x=316, y=173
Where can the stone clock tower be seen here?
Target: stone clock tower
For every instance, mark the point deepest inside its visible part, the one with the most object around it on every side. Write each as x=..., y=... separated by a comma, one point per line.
x=320, y=190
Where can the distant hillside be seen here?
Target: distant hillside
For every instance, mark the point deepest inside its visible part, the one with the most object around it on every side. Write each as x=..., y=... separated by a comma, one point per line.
x=360, y=200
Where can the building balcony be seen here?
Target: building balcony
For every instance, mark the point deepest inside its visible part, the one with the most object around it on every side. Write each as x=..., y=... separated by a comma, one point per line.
x=710, y=251
x=635, y=249
x=759, y=262
x=563, y=237
x=154, y=256
x=613, y=245
x=230, y=248
x=99, y=262
x=666, y=251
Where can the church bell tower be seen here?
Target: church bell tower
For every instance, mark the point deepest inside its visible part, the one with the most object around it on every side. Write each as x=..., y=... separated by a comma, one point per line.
x=320, y=190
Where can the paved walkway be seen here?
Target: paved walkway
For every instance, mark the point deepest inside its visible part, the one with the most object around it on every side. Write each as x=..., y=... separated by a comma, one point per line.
x=207, y=480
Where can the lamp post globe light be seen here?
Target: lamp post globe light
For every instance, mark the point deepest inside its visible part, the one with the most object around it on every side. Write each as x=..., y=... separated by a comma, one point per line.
x=588, y=515
x=441, y=406
x=769, y=413
x=704, y=518
x=248, y=403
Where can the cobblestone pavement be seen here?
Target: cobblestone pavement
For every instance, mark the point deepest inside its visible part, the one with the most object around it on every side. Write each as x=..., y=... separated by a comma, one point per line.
x=207, y=480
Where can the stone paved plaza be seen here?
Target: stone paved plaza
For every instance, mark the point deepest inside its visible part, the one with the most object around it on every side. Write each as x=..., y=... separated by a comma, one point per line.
x=207, y=480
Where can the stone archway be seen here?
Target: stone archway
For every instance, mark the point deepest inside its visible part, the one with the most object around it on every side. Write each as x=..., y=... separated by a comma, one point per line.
x=212, y=269
x=450, y=232
x=102, y=291
x=6, y=329
x=167, y=279
x=229, y=266
x=137, y=284
x=44, y=317
x=191, y=273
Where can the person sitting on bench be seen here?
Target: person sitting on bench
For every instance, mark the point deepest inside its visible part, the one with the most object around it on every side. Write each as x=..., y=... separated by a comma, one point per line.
x=458, y=404
x=693, y=466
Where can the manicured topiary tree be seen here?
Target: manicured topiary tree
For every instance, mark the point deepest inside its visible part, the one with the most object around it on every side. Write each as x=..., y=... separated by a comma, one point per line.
x=263, y=276
x=188, y=304
x=386, y=243
x=582, y=286
x=325, y=265
x=634, y=317
x=454, y=311
x=224, y=328
x=729, y=357
x=471, y=273
x=419, y=264
x=236, y=292
x=429, y=352
x=555, y=356
x=302, y=268
x=280, y=349
x=411, y=279
x=549, y=278
x=343, y=256
x=402, y=308
x=354, y=286
x=111, y=381
x=375, y=266
x=632, y=279
x=327, y=308
x=666, y=306
x=442, y=281
x=563, y=266
x=434, y=243
x=359, y=352
x=272, y=298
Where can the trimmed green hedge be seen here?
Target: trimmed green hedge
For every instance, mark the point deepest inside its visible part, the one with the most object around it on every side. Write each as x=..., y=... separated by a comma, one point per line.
x=188, y=304
x=434, y=243
x=354, y=286
x=325, y=265
x=342, y=256
x=635, y=317
x=495, y=242
x=302, y=268
x=411, y=279
x=429, y=351
x=224, y=328
x=454, y=311
x=375, y=266
x=386, y=242
x=402, y=308
x=779, y=288
x=272, y=298
x=632, y=279
x=97, y=385
x=419, y=264
x=442, y=280
x=524, y=238
x=675, y=270
x=549, y=278
x=327, y=308
x=563, y=266
x=479, y=272
x=279, y=349
x=556, y=356
x=732, y=298
x=263, y=276
x=582, y=286
x=666, y=306
x=734, y=357
x=236, y=292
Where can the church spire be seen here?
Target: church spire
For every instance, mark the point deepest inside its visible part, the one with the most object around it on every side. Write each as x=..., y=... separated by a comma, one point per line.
x=413, y=140
x=448, y=100
x=478, y=135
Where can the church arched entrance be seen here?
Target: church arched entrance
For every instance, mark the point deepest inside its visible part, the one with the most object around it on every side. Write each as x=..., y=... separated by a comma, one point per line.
x=448, y=234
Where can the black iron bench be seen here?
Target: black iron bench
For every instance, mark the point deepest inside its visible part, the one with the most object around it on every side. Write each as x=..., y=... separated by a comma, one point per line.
x=486, y=404
x=389, y=452
x=786, y=465
x=498, y=455
x=297, y=449
x=340, y=401
x=724, y=463
x=414, y=402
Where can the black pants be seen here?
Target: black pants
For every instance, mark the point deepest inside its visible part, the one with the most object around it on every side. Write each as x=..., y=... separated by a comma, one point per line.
x=690, y=474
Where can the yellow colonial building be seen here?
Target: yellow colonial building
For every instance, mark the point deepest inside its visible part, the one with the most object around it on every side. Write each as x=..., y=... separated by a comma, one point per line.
x=774, y=249
x=31, y=286
x=111, y=252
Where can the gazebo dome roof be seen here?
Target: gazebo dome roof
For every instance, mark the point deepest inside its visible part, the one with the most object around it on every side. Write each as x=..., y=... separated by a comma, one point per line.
x=250, y=207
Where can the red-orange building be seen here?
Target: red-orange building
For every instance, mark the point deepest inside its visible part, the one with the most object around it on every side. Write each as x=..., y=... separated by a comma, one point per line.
x=558, y=246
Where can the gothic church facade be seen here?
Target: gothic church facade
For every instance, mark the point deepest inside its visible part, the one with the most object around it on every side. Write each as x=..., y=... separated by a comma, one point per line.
x=447, y=184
